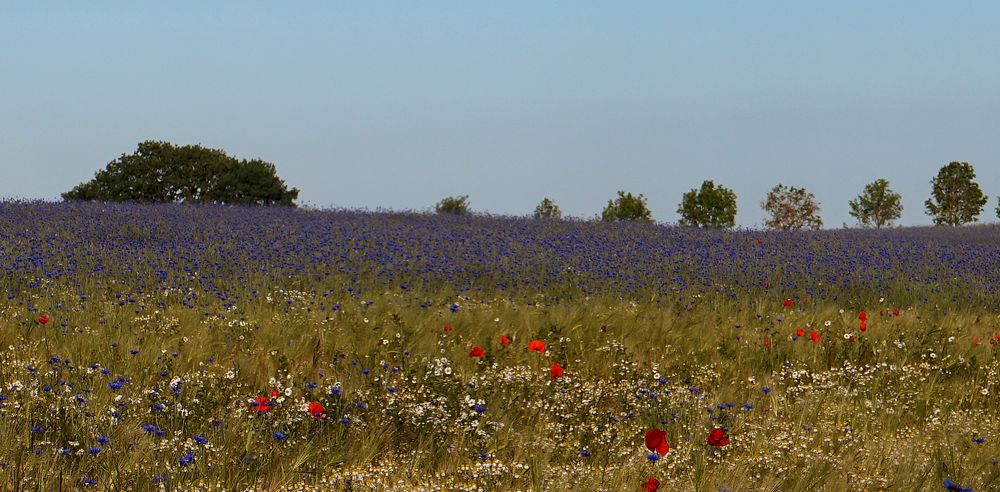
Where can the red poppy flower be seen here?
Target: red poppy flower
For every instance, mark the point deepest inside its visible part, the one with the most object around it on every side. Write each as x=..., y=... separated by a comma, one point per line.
x=263, y=404
x=863, y=326
x=504, y=340
x=536, y=346
x=863, y=316
x=557, y=371
x=815, y=336
x=316, y=409
x=43, y=319
x=976, y=340
x=717, y=438
x=767, y=342
x=895, y=312
x=656, y=441
x=447, y=328
x=800, y=332
x=477, y=352
x=995, y=339
x=651, y=485
x=274, y=394
x=788, y=303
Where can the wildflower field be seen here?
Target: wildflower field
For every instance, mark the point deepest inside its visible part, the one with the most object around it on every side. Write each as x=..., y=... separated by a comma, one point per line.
x=167, y=347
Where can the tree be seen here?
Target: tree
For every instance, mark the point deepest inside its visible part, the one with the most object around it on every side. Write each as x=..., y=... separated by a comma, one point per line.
x=877, y=205
x=791, y=208
x=998, y=207
x=454, y=205
x=548, y=209
x=627, y=207
x=160, y=172
x=708, y=207
x=955, y=196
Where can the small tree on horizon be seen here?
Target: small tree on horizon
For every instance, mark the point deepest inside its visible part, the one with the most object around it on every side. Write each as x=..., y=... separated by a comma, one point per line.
x=791, y=208
x=998, y=207
x=877, y=205
x=453, y=205
x=548, y=209
x=709, y=206
x=956, y=198
x=627, y=207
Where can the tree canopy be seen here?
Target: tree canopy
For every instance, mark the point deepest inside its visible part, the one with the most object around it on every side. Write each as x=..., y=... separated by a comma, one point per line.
x=160, y=172
x=877, y=205
x=627, y=207
x=955, y=196
x=791, y=208
x=709, y=206
x=454, y=205
x=548, y=209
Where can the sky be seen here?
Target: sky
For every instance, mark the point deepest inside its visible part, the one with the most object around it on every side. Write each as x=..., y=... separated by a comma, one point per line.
x=398, y=104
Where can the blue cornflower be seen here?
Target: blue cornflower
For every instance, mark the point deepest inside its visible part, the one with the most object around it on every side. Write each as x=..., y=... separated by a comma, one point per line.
x=335, y=390
x=585, y=453
x=454, y=307
x=102, y=440
x=479, y=408
x=134, y=351
x=280, y=436
x=157, y=407
x=94, y=451
x=65, y=451
x=186, y=459
x=766, y=389
x=46, y=388
x=150, y=428
x=88, y=482
x=345, y=420
x=200, y=439
x=37, y=429
x=653, y=457
x=115, y=385
x=748, y=406
x=948, y=484
x=978, y=440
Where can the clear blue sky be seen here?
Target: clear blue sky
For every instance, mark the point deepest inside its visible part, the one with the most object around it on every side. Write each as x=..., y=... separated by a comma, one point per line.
x=369, y=104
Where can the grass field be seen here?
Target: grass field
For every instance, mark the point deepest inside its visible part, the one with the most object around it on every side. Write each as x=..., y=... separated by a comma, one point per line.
x=180, y=348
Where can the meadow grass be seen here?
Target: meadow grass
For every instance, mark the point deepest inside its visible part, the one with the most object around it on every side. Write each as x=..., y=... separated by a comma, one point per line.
x=139, y=382
x=900, y=407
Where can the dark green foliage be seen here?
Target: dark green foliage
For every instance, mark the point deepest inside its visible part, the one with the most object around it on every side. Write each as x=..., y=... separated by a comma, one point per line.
x=710, y=206
x=877, y=205
x=791, y=208
x=955, y=196
x=455, y=205
x=548, y=209
x=627, y=207
x=160, y=172
x=998, y=207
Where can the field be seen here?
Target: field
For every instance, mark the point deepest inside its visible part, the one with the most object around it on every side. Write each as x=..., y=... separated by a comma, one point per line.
x=222, y=348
